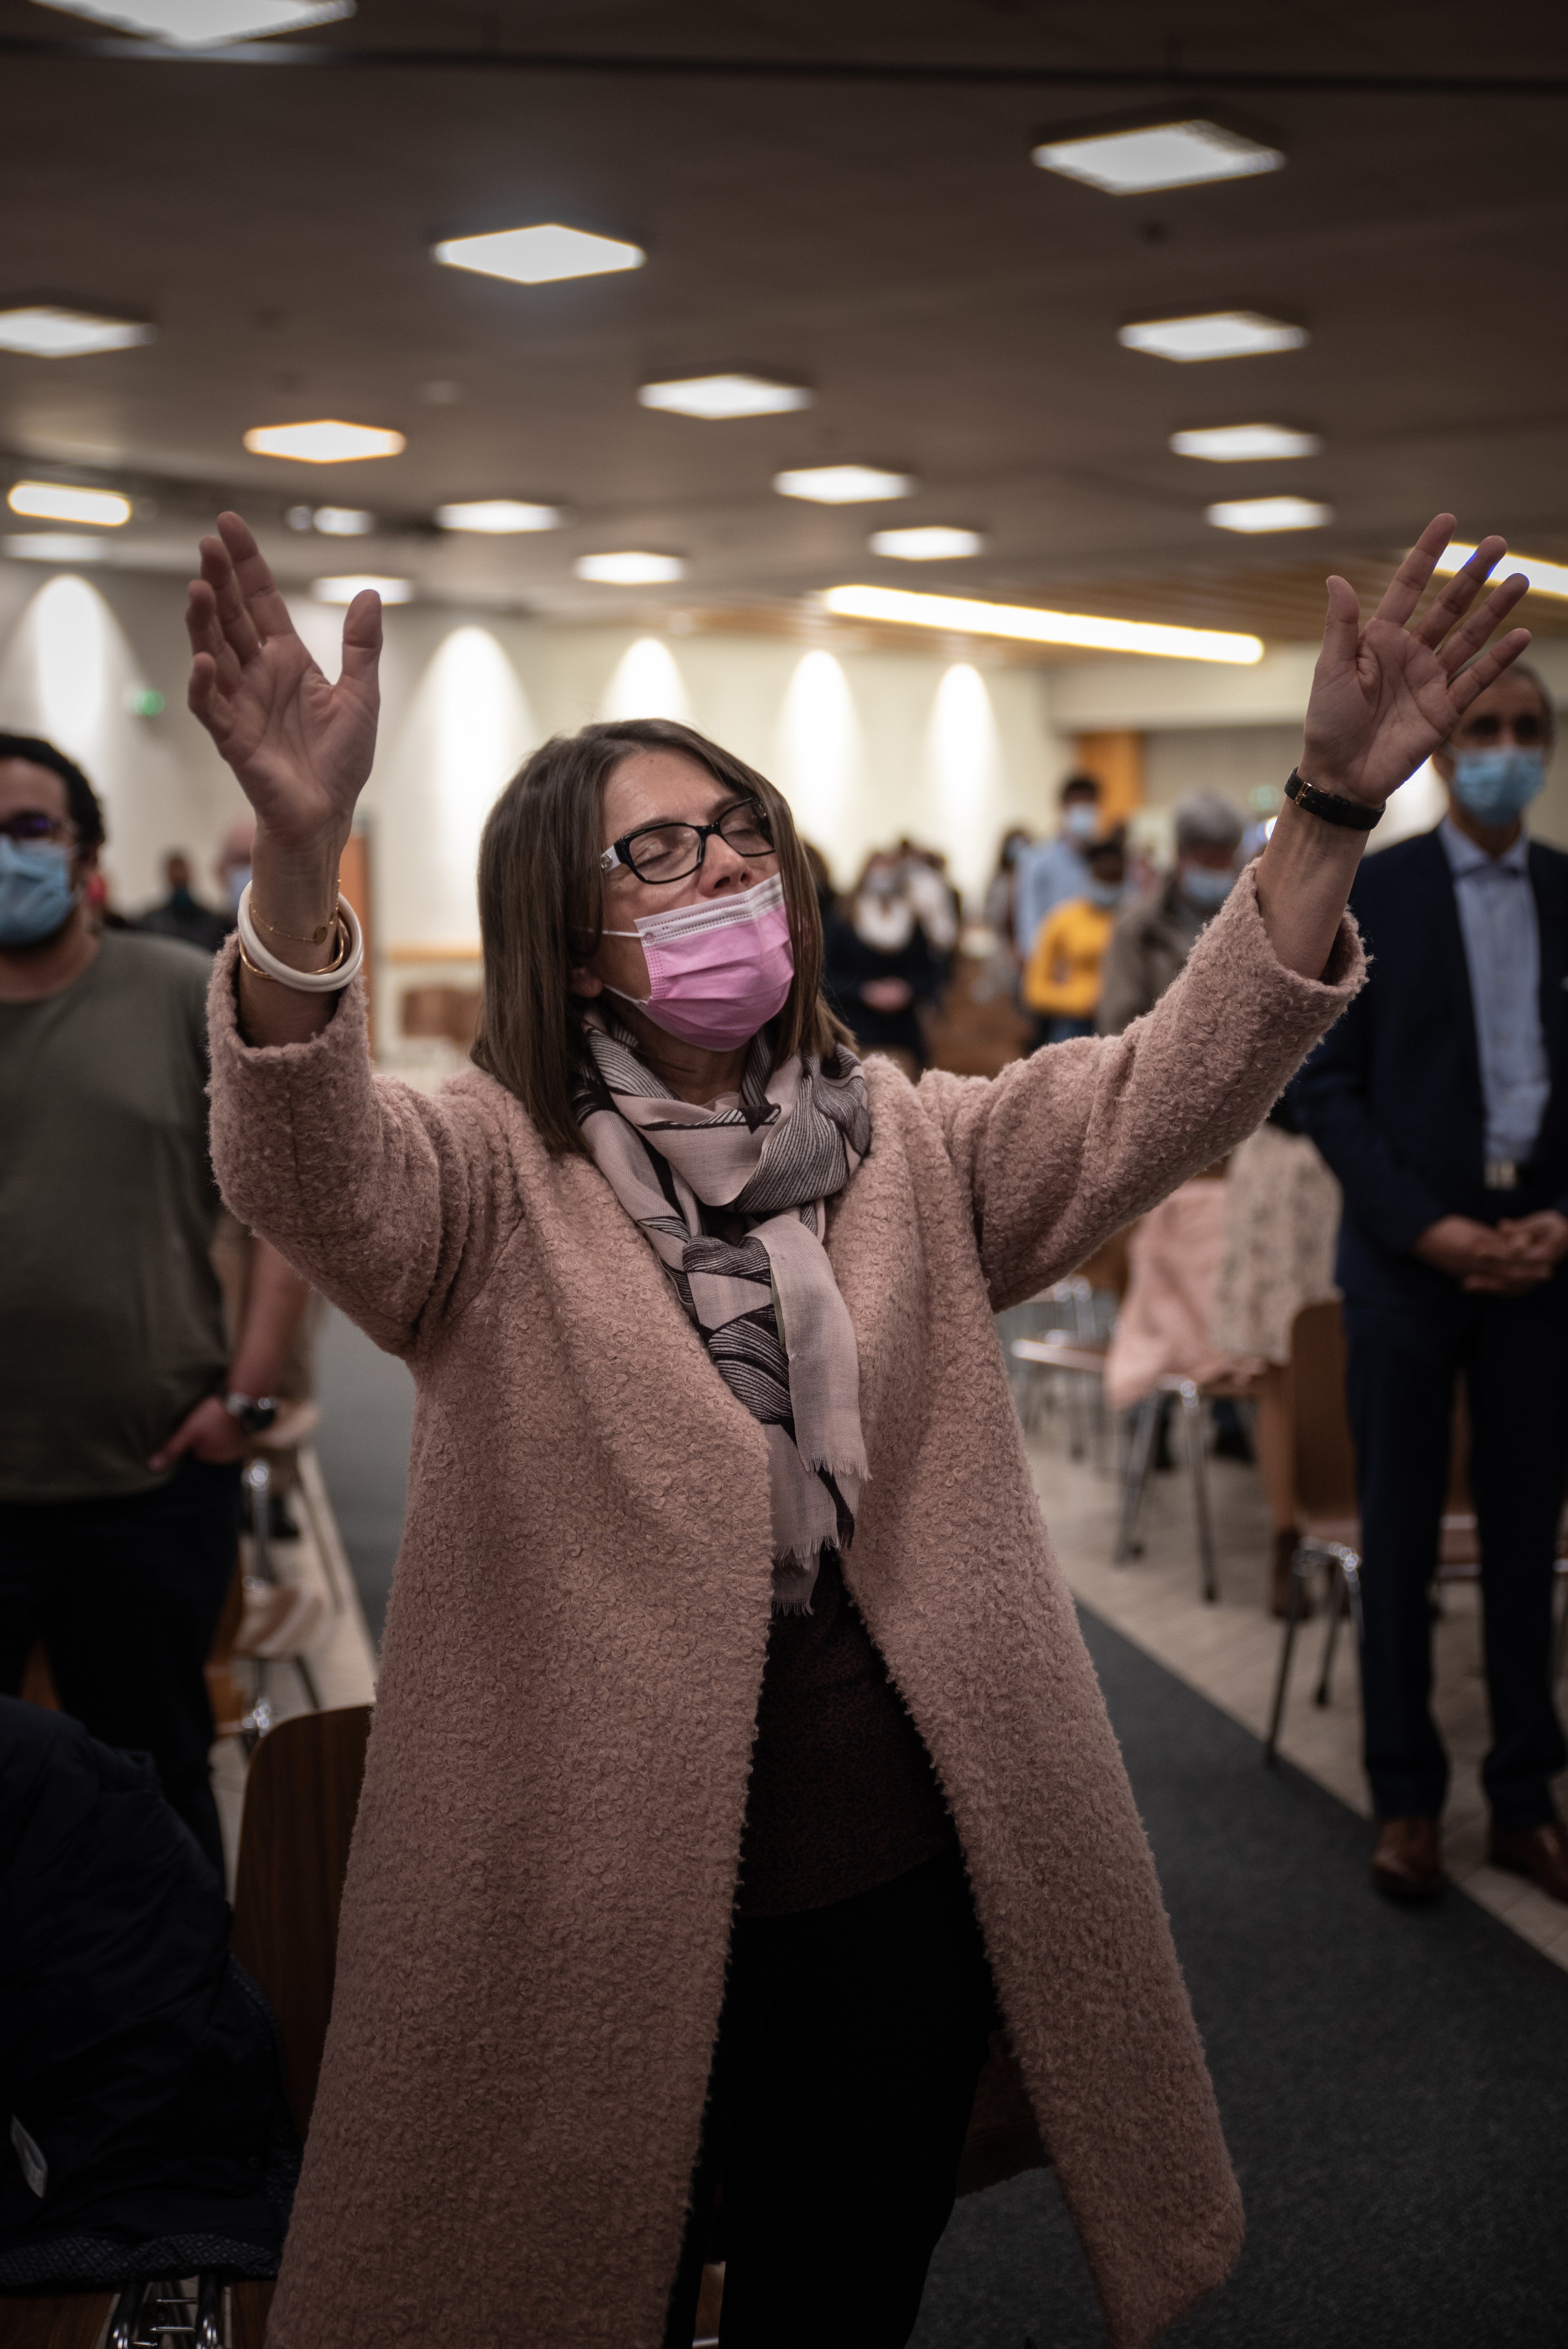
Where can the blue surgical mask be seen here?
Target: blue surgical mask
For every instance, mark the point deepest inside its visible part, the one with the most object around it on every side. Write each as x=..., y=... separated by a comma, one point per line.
x=1497, y=785
x=1080, y=823
x=36, y=892
x=1104, y=893
x=1204, y=888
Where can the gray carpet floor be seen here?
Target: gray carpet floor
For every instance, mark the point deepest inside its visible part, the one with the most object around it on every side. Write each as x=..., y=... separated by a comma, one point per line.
x=1394, y=2084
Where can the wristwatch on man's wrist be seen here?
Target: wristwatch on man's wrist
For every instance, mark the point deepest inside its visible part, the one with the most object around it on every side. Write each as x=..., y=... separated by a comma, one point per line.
x=255, y=1413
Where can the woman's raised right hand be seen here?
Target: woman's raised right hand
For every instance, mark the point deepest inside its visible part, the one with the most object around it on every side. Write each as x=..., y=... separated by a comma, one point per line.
x=300, y=747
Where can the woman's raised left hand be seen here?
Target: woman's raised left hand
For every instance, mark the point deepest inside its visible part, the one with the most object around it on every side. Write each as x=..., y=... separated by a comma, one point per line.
x=1385, y=696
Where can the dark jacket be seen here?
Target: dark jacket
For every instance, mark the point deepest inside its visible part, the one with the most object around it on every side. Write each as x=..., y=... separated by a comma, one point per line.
x=847, y=962
x=141, y=2078
x=1392, y=1096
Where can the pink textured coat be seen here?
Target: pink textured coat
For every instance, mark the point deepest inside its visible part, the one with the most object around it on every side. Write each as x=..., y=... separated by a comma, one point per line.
x=539, y=1898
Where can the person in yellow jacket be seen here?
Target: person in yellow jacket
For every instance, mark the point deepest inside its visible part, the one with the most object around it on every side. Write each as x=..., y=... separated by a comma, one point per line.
x=1061, y=979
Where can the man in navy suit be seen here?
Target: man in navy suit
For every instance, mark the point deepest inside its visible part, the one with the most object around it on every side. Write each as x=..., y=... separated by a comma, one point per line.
x=1440, y=1100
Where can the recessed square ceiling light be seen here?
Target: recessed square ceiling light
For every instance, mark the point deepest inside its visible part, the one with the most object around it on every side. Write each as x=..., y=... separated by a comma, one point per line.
x=63, y=501
x=49, y=330
x=1269, y=513
x=344, y=589
x=1213, y=334
x=720, y=395
x=630, y=569
x=327, y=442
x=843, y=485
x=204, y=23
x=499, y=517
x=53, y=546
x=1134, y=163
x=537, y=256
x=936, y=542
x=1244, y=444
x=342, y=521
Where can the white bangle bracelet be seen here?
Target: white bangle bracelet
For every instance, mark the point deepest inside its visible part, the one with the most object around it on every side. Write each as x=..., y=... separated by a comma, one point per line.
x=309, y=982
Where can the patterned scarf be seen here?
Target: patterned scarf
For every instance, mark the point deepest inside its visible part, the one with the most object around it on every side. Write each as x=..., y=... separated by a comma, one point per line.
x=732, y=1199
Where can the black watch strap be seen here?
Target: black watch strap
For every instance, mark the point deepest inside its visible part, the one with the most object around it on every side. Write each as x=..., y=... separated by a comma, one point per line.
x=1330, y=806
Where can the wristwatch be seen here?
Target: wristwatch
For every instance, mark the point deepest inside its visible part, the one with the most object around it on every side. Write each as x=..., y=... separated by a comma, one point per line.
x=255, y=1413
x=1352, y=815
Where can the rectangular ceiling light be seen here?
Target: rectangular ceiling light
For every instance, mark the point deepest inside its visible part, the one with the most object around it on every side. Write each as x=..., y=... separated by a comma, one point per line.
x=344, y=589
x=1212, y=335
x=1157, y=155
x=960, y=617
x=1244, y=444
x=1268, y=514
x=843, y=485
x=630, y=568
x=498, y=517
x=539, y=256
x=716, y=396
x=327, y=442
x=204, y=23
x=49, y=330
x=1545, y=578
x=63, y=501
x=343, y=521
x=53, y=546
x=936, y=542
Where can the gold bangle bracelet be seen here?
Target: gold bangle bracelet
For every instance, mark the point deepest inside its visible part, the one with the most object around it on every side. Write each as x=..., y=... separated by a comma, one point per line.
x=316, y=937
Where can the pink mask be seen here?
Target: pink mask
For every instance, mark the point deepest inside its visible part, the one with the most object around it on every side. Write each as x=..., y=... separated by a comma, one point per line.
x=719, y=970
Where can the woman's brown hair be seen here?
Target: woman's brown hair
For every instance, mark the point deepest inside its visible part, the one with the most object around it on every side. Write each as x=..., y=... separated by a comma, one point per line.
x=541, y=912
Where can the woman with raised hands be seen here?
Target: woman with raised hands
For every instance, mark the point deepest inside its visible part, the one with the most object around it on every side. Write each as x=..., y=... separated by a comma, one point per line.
x=741, y=1808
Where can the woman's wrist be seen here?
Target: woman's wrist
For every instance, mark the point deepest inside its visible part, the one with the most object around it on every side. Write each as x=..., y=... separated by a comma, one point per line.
x=293, y=898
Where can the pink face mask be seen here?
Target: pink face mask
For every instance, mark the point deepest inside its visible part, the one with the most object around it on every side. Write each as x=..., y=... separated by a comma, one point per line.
x=719, y=970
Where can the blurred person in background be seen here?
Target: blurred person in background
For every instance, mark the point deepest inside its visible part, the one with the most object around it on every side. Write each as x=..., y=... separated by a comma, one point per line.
x=1000, y=976
x=1051, y=870
x=123, y=1414
x=181, y=915
x=1155, y=936
x=1281, y=1223
x=1441, y=1103
x=1062, y=978
x=880, y=967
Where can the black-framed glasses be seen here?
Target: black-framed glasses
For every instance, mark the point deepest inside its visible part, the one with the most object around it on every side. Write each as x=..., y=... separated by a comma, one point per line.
x=30, y=826
x=669, y=851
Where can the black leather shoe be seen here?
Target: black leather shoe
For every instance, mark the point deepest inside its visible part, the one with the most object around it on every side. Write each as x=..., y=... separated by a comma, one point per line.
x=1407, y=1864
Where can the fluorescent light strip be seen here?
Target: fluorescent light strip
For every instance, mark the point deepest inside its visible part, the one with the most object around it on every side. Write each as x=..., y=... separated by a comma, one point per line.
x=344, y=589
x=843, y=485
x=901, y=607
x=1268, y=514
x=52, y=547
x=630, y=567
x=1545, y=578
x=931, y=542
x=60, y=502
x=1244, y=444
x=498, y=517
x=326, y=442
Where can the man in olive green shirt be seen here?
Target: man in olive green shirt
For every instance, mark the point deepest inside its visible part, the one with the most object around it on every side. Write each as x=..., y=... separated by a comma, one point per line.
x=122, y=1418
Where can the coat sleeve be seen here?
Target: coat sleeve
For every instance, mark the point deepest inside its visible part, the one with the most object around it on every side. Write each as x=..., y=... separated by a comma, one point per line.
x=1061, y=1150
x=390, y=1202
x=1389, y=1201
